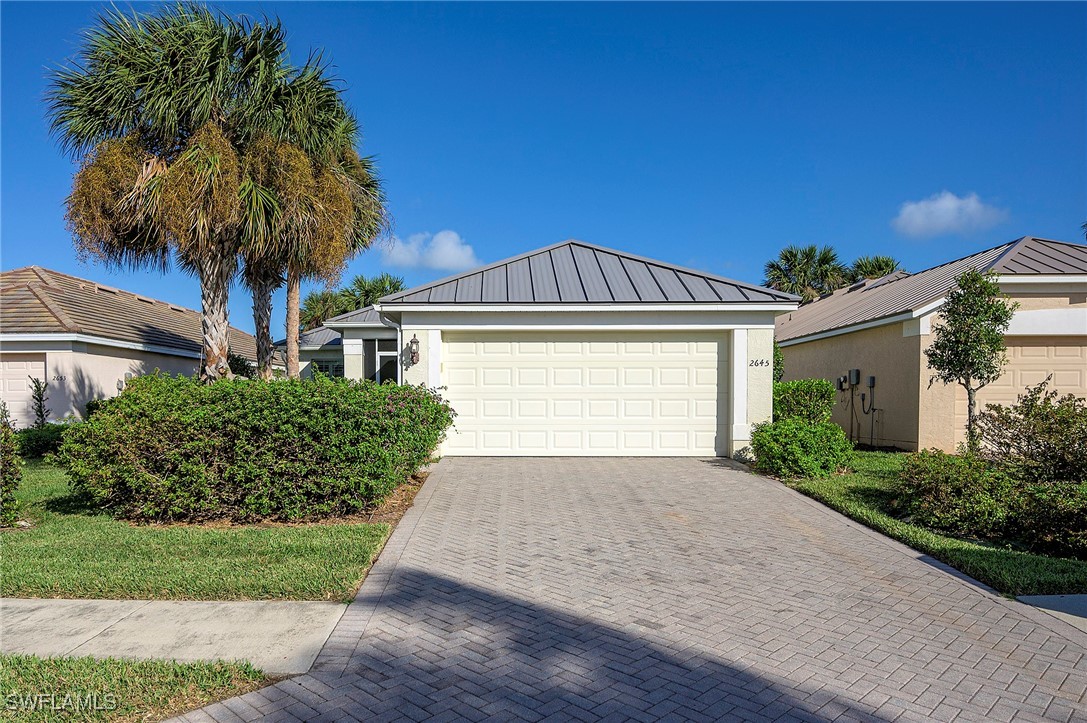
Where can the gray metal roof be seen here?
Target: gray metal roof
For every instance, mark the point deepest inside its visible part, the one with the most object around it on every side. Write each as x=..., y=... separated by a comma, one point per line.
x=321, y=336
x=575, y=272
x=366, y=316
x=1031, y=255
x=900, y=292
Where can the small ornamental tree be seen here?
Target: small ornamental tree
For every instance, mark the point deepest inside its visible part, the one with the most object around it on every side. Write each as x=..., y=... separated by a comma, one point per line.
x=39, y=397
x=968, y=347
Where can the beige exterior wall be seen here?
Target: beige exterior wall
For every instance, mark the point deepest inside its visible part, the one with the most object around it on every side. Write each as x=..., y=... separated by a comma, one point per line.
x=887, y=352
x=760, y=378
x=78, y=372
x=939, y=411
x=421, y=373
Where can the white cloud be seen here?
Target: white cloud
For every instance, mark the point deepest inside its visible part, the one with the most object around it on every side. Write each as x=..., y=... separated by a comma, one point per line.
x=443, y=251
x=945, y=213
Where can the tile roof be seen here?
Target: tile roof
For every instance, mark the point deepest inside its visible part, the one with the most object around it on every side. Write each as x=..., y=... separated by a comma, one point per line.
x=34, y=300
x=575, y=272
x=902, y=292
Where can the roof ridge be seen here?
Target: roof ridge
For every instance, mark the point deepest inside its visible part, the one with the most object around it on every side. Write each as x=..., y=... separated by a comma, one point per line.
x=593, y=247
x=1014, y=249
x=676, y=267
x=53, y=308
x=961, y=258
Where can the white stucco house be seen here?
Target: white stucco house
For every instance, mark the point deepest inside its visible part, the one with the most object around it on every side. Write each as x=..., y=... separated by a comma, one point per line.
x=574, y=349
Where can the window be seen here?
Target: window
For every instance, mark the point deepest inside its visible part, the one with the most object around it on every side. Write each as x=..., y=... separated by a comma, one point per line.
x=382, y=361
x=328, y=367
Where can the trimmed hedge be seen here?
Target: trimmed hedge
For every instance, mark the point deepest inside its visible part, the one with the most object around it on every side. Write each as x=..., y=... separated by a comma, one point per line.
x=974, y=497
x=40, y=441
x=794, y=448
x=11, y=471
x=957, y=494
x=809, y=399
x=171, y=448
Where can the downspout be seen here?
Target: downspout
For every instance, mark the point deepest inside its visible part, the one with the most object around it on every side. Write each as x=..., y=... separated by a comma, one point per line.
x=387, y=321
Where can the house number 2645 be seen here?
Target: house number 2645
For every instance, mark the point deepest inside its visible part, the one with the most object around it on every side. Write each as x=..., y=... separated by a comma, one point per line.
x=760, y=363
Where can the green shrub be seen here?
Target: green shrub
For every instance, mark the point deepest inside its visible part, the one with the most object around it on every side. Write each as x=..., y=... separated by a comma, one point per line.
x=92, y=407
x=240, y=366
x=811, y=400
x=10, y=470
x=1052, y=518
x=40, y=441
x=172, y=448
x=1040, y=438
x=963, y=495
x=794, y=448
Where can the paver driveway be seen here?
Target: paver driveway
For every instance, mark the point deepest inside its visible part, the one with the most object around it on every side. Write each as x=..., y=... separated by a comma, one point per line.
x=665, y=588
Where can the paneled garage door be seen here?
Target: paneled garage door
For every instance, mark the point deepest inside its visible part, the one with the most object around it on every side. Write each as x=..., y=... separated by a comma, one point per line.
x=1030, y=360
x=15, y=373
x=586, y=393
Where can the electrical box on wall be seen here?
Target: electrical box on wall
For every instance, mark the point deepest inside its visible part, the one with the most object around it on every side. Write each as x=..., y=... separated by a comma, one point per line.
x=854, y=377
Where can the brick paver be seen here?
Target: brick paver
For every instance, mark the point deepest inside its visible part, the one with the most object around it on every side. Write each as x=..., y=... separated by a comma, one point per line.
x=679, y=589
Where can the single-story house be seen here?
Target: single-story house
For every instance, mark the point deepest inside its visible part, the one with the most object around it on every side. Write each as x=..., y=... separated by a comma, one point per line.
x=373, y=352
x=881, y=328
x=85, y=339
x=575, y=349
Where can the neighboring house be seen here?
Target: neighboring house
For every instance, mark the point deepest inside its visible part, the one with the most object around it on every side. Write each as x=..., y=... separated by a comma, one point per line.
x=371, y=348
x=882, y=327
x=86, y=339
x=576, y=349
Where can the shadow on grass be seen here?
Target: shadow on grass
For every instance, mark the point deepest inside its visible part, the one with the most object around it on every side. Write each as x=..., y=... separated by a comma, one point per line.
x=73, y=503
x=439, y=646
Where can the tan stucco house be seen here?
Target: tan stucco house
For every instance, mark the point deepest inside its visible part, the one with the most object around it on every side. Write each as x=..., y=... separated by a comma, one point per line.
x=574, y=349
x=85, y=339
x=881, y=328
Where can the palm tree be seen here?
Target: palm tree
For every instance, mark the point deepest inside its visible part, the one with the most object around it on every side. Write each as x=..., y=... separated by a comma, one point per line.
x=806, y=271
x=158, y=108
x=350, y=202
x=873, y=267
x=321, y=305
x=299, y=201
x=365, y=291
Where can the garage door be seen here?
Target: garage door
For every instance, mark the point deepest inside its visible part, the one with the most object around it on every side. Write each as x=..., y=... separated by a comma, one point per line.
x=588, y=393
x=15, y=373
x=1030, y=361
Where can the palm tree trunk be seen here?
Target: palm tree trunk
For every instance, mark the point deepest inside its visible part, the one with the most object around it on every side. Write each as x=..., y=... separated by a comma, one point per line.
x=294, y=288
x=263, y=284
x=215, y=272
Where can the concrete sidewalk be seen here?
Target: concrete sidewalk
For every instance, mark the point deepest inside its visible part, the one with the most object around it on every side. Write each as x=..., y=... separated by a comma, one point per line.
x=279, y=637
x=1070, y=608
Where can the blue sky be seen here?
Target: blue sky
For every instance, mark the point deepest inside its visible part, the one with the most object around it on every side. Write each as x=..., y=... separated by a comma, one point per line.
x=708, y=135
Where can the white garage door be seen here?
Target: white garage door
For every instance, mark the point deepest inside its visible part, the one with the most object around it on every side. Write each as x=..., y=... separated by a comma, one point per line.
x=15, y=373
x=586, y=393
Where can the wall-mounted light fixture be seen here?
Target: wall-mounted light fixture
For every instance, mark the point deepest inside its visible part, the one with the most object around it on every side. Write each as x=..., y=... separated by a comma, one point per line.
x=413, y=349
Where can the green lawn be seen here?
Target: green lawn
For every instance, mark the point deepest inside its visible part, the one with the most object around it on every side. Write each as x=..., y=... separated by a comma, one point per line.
x=86, y=689
x=865, y=496
x=73, y=551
